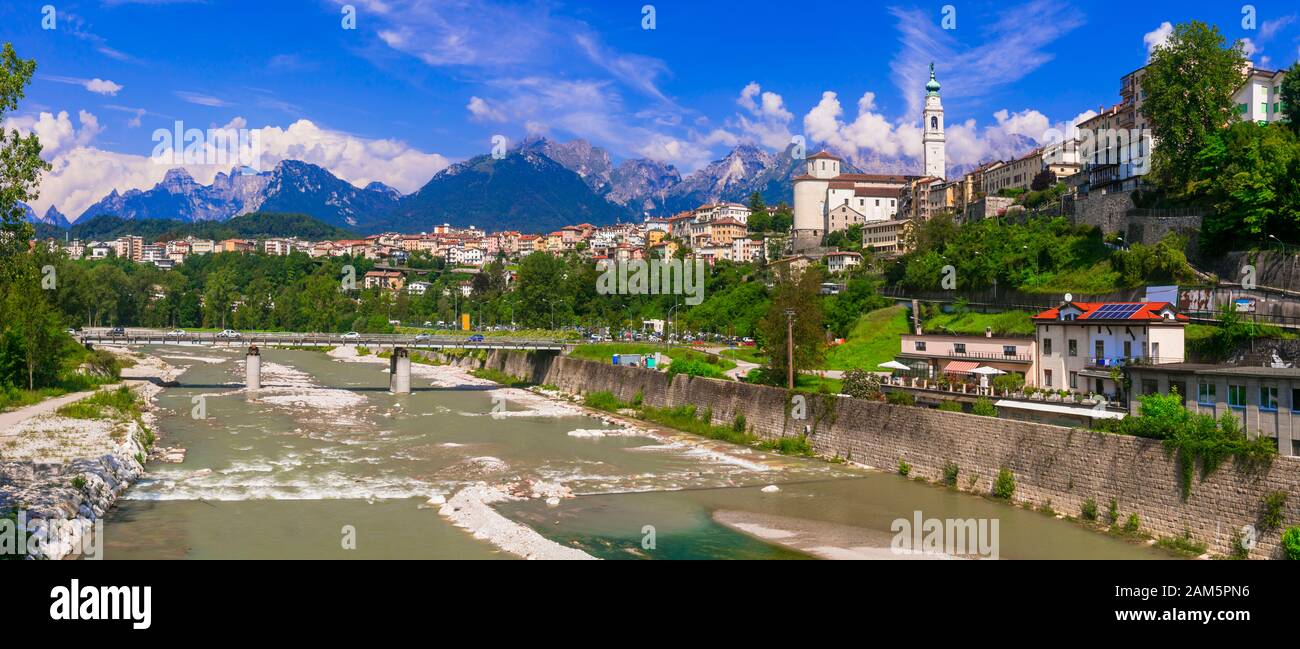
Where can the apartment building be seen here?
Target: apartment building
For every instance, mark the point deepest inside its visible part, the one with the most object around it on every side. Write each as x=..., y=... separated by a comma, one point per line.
x=958, y=356
x=1265, y=399
x=1085, y=346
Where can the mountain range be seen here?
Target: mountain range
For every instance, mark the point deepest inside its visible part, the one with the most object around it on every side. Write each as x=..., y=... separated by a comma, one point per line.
x=538, y=186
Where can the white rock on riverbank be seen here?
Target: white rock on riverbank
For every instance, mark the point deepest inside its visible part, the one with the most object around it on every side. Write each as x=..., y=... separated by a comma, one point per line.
x=471, y=509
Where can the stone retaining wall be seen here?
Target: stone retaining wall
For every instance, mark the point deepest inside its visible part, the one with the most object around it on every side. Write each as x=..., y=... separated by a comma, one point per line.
x=1051, y=463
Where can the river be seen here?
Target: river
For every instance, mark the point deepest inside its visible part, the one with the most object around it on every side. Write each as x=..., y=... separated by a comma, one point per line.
x=324, y=462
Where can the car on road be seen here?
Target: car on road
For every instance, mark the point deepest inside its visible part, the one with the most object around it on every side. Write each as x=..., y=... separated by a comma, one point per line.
x=419, y=338
x=72, y=331
x=476, y=338
x=176, y=333
x=228, y=334
x=351, y=335
x=117, y=331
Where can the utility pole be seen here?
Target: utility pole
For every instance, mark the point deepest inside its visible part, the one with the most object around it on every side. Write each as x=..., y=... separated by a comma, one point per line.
x=789, y=347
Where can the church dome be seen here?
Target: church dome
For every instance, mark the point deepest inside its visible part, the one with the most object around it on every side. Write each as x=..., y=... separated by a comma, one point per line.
x=932, y=88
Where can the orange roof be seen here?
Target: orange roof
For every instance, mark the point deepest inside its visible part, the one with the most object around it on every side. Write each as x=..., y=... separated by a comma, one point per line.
x=1140, y=311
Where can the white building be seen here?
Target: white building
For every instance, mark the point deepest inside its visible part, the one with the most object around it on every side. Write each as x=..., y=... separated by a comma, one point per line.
x=1080, y=345
x=853, y=198
x=1259, y=99
x=277, y=247
x=936, y=160
x=418, y=288
x=838, y=262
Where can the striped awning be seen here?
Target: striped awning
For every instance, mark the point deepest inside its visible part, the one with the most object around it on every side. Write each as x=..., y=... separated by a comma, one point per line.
x=960, y=367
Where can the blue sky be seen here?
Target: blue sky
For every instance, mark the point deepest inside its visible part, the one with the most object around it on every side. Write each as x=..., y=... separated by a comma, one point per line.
x=420, y=84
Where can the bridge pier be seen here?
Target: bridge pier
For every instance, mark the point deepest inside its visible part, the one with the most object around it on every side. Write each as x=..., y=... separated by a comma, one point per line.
x=399, y=371
x=253, y=369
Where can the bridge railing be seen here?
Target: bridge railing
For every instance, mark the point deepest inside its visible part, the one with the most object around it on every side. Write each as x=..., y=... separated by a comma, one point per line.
x=147, y=337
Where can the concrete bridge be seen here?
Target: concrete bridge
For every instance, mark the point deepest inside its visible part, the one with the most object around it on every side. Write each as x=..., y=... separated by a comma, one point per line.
x=399, y=381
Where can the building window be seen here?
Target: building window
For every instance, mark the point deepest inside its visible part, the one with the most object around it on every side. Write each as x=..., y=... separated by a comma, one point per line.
x=1074, y=380
x=1206, y=394
x=1267, y=398
x=920, y=345
x=1295, y=399
x=1149, y=386
x=1099, y=348
x=1008, y=350
x=1074, y=348
x=1237, y=396
x=1047, y=347
x=959, y=348
x=1047, y=378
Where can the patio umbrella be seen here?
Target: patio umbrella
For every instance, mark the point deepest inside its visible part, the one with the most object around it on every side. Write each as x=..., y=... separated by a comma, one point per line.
x=894, y=365
x=985, y=372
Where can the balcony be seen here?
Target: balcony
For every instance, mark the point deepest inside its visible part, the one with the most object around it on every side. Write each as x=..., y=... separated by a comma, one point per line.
x=953, y=353
x=1109, y=362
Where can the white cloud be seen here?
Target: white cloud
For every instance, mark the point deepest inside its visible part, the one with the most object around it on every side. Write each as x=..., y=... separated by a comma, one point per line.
x=201, y=99
x=484, y=112
x=56, y=133
x=768, y=120
x=357, y=160
x=1248, y=47
x=871, y=137
x=1157, y=37
x=1012, y=47
x=96, y=85
x=1270, y=28
x=82, y=174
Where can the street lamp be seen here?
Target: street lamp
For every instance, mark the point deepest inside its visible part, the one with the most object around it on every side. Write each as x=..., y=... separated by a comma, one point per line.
x=789, y=347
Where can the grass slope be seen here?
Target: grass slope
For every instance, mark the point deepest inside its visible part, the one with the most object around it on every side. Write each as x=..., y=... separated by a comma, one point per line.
x=874, y=340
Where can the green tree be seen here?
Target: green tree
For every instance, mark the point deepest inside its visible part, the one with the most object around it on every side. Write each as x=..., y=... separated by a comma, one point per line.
x=1290, y=97
x=540, y=289
x=759, y=220
x=797, y=293
x=20, y=165
x=1250, y=174
x=218, y=296
x=782, y=218
x=1189, y=84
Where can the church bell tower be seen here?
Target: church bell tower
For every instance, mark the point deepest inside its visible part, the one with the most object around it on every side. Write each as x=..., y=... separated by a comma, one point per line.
x=936, y=163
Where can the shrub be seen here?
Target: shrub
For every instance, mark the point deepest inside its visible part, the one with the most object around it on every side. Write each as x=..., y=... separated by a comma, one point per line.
x=694, y=367
x=796, y=445
x=1112, y=512
x=1183, y=545
x=900, y=398
x=903, y=467
x=606, y=401
x=1005, y=485
x=1009, y=382
x=79, y=483
x=984, y=408
x=1132, y=524
x=1271, y=509
x=950, y=471
x=739, y=424
x=1291, y=543
x=861, y=384
x=1239, y=549
x=950, y=406
x=1089, y=510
